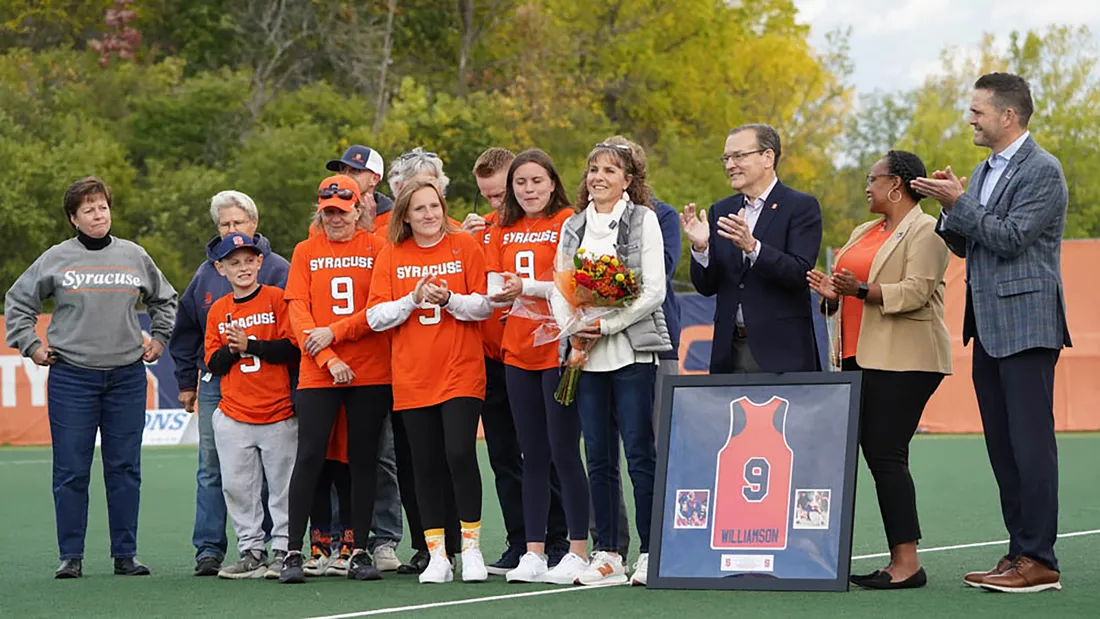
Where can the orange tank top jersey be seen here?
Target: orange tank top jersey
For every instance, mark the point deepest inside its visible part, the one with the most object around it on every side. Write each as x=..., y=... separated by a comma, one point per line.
x=527, y=248
x=858, y=259
x=436, y=357
x=492, y=330
x=253, y=391
x=752, y=486
x=328, y=286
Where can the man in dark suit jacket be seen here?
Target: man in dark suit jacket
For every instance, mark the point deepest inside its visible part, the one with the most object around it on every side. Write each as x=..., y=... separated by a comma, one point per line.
x=1008, y=225
x=753, y=252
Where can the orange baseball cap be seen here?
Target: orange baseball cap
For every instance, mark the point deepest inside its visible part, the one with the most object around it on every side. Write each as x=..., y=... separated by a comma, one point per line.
x=338, y=191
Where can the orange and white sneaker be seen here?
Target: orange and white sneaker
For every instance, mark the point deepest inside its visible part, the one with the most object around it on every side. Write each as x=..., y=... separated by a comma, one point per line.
x=641, y=570
x=606, y=568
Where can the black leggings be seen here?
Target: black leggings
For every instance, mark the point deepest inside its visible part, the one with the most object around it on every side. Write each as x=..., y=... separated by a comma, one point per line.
x=406, y=481
x=338, y=474
x=316, y=411
x=548, y=432
x=444, y=437
x=892, y=406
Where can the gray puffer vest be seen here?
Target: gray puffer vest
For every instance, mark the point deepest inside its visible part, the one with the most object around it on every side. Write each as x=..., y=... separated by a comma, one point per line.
x=650, y=334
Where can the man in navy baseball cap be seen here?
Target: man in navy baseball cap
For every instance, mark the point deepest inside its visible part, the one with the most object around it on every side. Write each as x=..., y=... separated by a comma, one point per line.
x=364, y=165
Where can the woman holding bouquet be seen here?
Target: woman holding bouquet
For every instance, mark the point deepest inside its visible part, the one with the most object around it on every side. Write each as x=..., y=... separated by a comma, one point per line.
x=615, y=389
x=522, y=248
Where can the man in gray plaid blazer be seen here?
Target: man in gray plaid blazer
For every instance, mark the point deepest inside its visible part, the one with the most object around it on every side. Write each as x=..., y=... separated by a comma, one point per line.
x=1008, y=225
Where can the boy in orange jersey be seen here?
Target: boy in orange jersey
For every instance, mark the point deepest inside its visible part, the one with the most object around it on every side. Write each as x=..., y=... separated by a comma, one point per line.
x=248, y=345
x=429, y=289
x=342, y=363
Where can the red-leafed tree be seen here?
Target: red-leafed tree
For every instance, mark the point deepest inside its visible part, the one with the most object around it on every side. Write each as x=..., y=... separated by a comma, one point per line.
x=121, y=39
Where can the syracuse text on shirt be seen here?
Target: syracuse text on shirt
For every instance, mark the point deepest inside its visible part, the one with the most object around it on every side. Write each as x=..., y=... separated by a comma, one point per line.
x=91, y=280
x=344, y=262
x=445, y=268
x=546, y=236
x=244, y=322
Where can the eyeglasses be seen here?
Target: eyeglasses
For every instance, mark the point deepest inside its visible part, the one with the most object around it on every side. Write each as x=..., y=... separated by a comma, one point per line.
x=622, y=147
x=872, y=177
x=413, y=155
x=739, y=157
x=333, y=190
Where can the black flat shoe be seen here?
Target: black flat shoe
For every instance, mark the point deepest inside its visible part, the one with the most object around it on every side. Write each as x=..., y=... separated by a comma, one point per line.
x=70, y=568
x=208, y=566
x=855, y=579
x=362, y=567
x=881, y=580
x=130, y=567
x=417, y=564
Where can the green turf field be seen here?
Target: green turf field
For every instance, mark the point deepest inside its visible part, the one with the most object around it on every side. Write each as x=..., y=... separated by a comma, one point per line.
x=958, y=504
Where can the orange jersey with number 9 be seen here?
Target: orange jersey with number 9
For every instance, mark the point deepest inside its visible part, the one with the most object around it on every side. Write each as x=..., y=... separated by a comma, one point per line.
x=527, y=248
x=436, y=357
x=333, y=281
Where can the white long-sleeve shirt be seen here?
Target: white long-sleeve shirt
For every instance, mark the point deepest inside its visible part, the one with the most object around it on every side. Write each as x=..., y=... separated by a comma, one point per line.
x=613, y=351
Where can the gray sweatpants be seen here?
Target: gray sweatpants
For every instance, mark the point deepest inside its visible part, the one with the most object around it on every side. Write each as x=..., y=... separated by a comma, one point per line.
x=249, y=453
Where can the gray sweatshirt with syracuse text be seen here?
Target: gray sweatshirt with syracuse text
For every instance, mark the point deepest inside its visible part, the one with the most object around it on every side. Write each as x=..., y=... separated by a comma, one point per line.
x=95, y=324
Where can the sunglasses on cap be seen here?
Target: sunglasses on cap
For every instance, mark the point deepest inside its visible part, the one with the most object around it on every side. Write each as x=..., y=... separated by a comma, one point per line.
x=343, y=194
x=412, y=155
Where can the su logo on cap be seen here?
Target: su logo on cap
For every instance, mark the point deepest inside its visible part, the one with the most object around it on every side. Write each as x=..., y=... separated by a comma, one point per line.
x=238, y=241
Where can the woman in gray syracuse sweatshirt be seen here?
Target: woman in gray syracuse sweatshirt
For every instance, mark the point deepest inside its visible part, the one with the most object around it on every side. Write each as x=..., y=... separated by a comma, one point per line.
x=97, y=378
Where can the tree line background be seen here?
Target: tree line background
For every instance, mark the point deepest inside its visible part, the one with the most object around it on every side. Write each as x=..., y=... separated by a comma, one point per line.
x=171, y=101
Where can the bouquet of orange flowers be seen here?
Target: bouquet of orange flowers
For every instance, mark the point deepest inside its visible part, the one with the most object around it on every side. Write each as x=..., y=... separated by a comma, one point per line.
x=593, y=286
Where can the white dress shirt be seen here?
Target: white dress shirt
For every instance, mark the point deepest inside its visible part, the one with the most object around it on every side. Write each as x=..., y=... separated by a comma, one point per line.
x=752, y=215
x=997, y=164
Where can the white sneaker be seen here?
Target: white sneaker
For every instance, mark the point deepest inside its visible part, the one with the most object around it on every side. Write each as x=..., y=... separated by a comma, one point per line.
x=641, y=570
x=605, y=569
x=385, y=557
x=316, y=565
x=531, y=568
x=473, y=566
x=439, y=571
x=566, y=572
x=337, y=566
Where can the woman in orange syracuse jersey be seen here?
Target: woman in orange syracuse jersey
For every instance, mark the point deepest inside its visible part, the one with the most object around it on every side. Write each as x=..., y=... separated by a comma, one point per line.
x=429, y=289
x=327, y=289
x=522, y=247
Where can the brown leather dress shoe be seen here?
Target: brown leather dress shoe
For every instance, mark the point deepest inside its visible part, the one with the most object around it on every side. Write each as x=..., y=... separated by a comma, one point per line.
x=1025, y=576
x=975, y=579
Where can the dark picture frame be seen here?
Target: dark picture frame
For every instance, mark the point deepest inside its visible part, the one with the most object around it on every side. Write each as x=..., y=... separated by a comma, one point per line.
x=839, y=423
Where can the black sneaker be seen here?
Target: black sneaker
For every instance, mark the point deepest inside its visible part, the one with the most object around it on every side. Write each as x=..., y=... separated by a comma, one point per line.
x=555, y=553
x=208, y=566
x=362, y=567
x=292, y=569
x=507, y=561
x=130, y=566
x=70, y=568
x=417, y=564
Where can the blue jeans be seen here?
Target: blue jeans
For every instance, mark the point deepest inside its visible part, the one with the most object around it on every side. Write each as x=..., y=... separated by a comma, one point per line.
x=209, y=537
x=387, y=503
x=81, y=402
x=622, y=398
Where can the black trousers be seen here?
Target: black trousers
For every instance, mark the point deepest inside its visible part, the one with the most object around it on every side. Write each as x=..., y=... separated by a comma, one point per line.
x=444, y=450
x=892, y=406
x=506, y=460
x=1016, y=399
x=334, y=475
x=316, y=410
x=406, y=483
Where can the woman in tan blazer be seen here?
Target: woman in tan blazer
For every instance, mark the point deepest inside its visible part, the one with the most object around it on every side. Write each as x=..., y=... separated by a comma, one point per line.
x=888, y=287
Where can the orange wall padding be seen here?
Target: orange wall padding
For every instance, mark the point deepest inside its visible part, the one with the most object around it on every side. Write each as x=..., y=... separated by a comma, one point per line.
x=954, y=408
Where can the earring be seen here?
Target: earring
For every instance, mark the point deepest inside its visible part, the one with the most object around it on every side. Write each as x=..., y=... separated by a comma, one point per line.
x=890, y=196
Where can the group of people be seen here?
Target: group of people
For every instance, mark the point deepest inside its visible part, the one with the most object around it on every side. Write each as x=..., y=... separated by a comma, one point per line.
x=360, y=369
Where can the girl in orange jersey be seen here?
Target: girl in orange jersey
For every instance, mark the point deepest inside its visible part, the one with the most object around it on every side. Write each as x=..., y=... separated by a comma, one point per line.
x=327, y=289
x=429, y=289
x=522, y=248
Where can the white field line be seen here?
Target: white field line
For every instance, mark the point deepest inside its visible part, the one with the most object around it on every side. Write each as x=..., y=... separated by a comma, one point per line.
x=144, y=457
x=515, y=596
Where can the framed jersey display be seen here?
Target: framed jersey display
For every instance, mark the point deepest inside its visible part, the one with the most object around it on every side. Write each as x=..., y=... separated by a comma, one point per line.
x=755, y=485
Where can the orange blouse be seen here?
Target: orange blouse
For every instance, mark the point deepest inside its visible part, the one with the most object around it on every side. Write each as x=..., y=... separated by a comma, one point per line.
x=858, y=259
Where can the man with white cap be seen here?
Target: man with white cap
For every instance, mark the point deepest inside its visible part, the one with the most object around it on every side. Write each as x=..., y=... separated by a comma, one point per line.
x=364, y=165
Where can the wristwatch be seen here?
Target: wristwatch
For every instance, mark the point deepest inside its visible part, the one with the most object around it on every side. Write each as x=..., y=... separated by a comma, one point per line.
x=863, y=290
